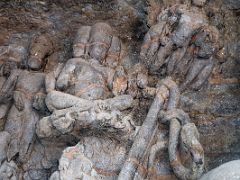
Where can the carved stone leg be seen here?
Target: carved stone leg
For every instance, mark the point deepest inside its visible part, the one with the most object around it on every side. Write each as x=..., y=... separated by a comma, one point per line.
x=57, y=100
x=143, y=137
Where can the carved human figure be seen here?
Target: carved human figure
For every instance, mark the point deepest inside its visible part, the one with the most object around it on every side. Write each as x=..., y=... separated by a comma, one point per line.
x=184, y=42
x=13, y=55
x=81, y=78
x=21, y=51
x=107, y=164
x=21, y=119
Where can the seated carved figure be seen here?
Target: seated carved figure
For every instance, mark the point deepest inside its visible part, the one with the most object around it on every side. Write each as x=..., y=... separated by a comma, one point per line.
x=184, y=43
x=79, y=96
x=94, y=72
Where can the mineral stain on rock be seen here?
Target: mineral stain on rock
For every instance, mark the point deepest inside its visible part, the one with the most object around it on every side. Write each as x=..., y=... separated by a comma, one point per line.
x=119, y=89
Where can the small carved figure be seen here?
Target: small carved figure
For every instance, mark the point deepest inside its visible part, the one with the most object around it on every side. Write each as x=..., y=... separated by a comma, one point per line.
x=182, y=41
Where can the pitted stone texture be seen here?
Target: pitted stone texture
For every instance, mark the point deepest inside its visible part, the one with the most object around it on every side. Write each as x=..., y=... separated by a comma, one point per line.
x=92, y=158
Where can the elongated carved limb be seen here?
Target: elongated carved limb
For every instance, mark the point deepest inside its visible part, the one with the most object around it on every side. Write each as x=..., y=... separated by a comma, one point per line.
x=159, y=146
x=185, y=132
x=57, y=100
x=4, y=141
x=151, y=43
x=51, y=77
x=71, y=114
x=174, y=96
x=145, y=134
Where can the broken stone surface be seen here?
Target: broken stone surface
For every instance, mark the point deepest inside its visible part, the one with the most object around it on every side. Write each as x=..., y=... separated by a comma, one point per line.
x=92, y=158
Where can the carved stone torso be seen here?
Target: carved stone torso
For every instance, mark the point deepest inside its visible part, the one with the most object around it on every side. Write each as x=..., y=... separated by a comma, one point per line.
x=84, y=79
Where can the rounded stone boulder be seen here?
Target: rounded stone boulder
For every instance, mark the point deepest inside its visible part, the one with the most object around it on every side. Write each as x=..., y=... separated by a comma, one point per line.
x=227, y=171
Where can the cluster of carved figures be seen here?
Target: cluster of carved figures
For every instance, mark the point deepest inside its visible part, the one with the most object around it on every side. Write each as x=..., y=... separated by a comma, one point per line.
x=89, y=100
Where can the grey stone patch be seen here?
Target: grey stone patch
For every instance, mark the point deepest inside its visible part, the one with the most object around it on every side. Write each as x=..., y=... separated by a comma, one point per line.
x=227, y=171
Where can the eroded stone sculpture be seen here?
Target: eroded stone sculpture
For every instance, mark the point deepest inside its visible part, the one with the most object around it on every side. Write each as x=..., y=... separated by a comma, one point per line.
x=41, y=46
x=98, y=42
x=86, y=104
x=22, y=118
x=183, y=42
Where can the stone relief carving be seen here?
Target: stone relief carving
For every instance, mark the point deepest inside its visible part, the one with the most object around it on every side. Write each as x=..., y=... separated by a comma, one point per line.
x=76, y=119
